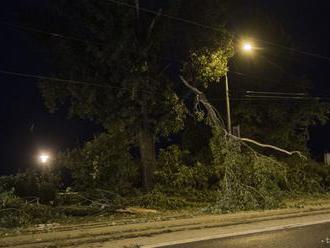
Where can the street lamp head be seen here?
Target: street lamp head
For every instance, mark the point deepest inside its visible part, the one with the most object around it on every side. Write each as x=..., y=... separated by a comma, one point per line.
x=247, y=47
x=44, y=158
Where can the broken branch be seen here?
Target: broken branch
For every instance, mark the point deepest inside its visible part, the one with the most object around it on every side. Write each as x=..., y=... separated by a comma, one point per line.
x=214, y=116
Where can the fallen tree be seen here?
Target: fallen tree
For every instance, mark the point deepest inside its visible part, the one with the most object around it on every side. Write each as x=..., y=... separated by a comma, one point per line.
x=214, y=118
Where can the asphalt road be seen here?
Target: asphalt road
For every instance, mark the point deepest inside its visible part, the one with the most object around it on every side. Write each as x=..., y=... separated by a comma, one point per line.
x=314, y=236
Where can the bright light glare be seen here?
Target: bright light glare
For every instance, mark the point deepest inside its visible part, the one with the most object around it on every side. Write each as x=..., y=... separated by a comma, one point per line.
x=44, y=158
x=247, y=47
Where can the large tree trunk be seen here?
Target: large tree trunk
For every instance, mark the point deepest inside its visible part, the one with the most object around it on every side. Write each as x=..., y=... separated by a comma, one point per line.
x=148, y=157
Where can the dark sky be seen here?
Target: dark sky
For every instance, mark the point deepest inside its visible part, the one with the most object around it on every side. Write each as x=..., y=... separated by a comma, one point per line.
x=26, y=127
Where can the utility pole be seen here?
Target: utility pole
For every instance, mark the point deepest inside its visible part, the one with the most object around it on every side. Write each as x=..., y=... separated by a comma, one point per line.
x=228, y=105
x=247, y=47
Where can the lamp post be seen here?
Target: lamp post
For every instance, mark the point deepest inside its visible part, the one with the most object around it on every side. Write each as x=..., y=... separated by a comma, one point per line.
x=246, y=48
x=228, y=105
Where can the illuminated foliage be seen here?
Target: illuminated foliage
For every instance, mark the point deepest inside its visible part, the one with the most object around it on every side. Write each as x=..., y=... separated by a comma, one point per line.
x=211, y=66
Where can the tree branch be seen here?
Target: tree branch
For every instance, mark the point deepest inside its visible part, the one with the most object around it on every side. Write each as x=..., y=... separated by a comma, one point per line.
x=214, y=116
x=201, y=97
x=269, y=146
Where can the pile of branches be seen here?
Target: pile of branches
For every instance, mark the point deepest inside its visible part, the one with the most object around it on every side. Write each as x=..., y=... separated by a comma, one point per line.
x=248, y=179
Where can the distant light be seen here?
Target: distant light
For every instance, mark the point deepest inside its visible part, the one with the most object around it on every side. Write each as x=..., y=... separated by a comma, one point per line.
x=247, y=47
x=44, y=158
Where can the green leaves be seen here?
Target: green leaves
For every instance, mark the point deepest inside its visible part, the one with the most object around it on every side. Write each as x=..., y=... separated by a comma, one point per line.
x=209, y=65
x=104, y=162
x=212, y=65
x=175, y=175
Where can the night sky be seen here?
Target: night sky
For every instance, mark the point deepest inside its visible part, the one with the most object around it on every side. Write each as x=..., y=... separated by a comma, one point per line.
x=26, y=126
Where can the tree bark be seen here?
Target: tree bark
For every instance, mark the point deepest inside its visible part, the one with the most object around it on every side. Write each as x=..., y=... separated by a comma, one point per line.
x=148, y=157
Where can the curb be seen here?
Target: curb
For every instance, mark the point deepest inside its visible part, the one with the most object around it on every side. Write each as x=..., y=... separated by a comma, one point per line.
x=154, y=231
x=235, y=234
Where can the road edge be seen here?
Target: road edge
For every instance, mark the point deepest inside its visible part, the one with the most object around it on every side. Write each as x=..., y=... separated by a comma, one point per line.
x=236, y=234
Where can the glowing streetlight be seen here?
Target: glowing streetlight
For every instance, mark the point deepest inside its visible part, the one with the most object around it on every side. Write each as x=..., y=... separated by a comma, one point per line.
x=44, y=158
x=247, y=47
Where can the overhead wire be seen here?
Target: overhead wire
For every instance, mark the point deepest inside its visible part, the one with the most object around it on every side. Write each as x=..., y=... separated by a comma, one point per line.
x=275, y=93
x=61, y=36
x=197, y=24
x=72, y=38
x=86, y=83
x=171, y=17
x=315, y=55
x=280, y=97
x=57, y=35
x=272, y=98
x=244, y=75
x=183, y=20
x=85, y=41
x=52, y=34
x=77, y=82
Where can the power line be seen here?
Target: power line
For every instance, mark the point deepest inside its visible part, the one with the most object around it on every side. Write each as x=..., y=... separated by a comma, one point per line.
x=71, y=38
x=86, y=83
x=244, y=75
x=315, y=55
x=287, y=95
x=290, y=97
x=51, y=34
x=247, y=76
x=56, y=35
x=271, y=98
x=76, y=82
x=275, y=93
x=171, y=17
x=280, y=97
x=80, y=40
x=240, y=74
x=61, y=36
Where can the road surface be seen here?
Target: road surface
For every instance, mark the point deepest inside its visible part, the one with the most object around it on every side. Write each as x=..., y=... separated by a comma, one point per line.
x=315, y=236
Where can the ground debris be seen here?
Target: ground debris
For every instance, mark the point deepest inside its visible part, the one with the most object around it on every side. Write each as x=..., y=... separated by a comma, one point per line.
x=49, y=226
x=131, y=210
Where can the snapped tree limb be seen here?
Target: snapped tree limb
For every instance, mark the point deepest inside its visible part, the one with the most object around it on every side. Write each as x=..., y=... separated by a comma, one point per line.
x=269, y=146
x=201, y=97
x=214, y=117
